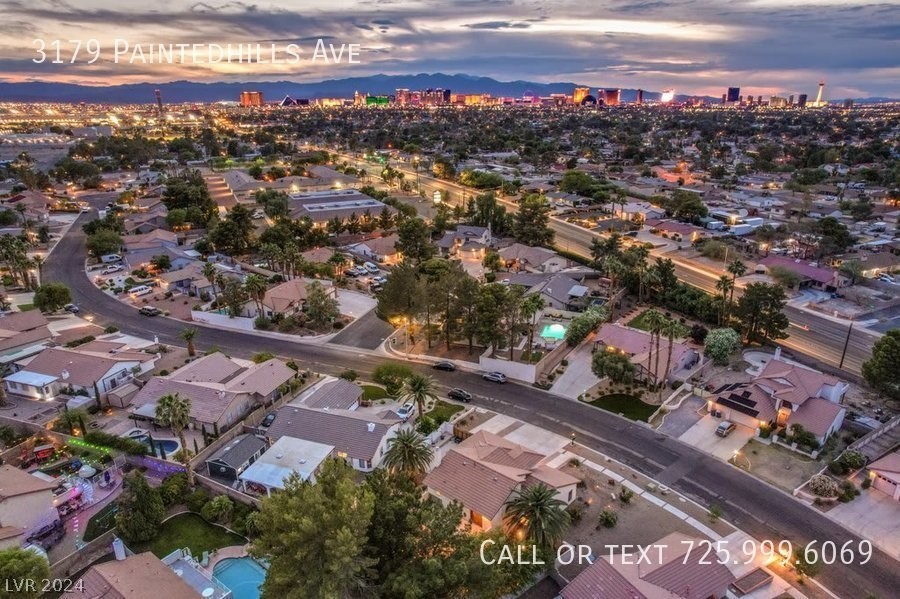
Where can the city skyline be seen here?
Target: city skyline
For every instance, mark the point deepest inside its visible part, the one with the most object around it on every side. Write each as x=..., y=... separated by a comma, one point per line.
x=693, y=47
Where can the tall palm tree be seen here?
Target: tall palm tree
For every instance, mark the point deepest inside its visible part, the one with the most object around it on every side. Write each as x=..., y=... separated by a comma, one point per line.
x=654, y=320
x=670, y=329
x=418, y=388
x=537, y=512
x=38, y=261
x=723, y=286
x=210, y=272
x=174, y=411
x=256, y=287
x=737, y=269
x=531, y=307
x=409, y=453
x=188, y=335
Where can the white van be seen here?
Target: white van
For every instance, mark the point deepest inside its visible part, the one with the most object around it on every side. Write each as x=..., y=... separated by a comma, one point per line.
x=140, y=290
x=371, y=268
x=110, y=258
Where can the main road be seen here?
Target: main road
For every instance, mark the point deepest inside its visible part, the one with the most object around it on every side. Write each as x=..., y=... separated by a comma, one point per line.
x=757, y=508
x=822, y=340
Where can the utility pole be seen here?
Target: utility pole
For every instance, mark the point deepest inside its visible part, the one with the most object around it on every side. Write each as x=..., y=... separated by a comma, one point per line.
x=846, y=343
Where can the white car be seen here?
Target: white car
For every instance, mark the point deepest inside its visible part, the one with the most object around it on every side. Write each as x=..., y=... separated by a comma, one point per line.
x=371, y=268
x=406, y=410
x=379, y=280
x=885, y=277
x=111, y=269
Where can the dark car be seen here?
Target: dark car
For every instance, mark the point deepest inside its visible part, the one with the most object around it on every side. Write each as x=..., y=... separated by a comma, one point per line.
x=150, y=311
x=444, y=365
x=71, y=308
x=268, y=420
x=460, y=395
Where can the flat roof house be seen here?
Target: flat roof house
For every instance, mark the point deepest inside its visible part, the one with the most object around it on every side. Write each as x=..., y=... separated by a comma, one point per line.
x=286, y=457
x=485, y=470
x=236, y=456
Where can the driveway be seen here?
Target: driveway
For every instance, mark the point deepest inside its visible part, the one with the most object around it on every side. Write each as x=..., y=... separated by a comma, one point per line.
x=577, y=377
x=355, y=304
x=873, y=515
x=367, y=332
x=703, y=436
x=679, y=421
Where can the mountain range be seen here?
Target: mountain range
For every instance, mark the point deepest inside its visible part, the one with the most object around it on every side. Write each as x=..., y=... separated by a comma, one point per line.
x=191, y=91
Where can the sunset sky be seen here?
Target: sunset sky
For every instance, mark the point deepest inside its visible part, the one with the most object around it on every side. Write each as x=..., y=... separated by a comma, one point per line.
x=693, y=46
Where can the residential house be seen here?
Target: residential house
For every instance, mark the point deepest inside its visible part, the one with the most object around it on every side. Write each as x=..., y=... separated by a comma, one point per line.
x=810, y=274
x=287, y=456
x=189, y=279
x=466, y=240
x=637, y=211
x=37, y=205
x=636, y=344
x=144, y=576
x=158, y=238
x=562, y=292
x=146, y=222
x=288, y=298
x=330, y=394
x=143, y=258
x=324, y=206
x=380, y=249
x=26, y=504
x=222, y=391
x=784, y=394
x=22, y=334
x=318, y=255
x=885, y=474
x=532, y=259
x=76, y=371
x=235, y=456
x=484, y=471
x=359, y=439
x=674, y=571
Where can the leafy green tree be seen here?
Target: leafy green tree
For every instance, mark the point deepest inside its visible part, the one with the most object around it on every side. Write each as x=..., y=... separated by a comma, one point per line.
x=536, y=511
x=320, y=307
x=721, y=344
x=103, y=242
x=612, y=364
x=418, y=388
x=882, y=370
x=492, y=261
x=852, y=269
x=531, y=222
x=234, y=235
x=392, y=376
x=414, y=240
x=188, y=190
x=218, y=509
x=161, y=262
x=408, y=453
x=140, y=509
x=584, y=324
x=578, y=182
x=23, y=573
x=784, y=276
x=233, y=295
x=174, y=411
x=314, y=536
x=402, y=295
x=489, y=308
x=760, y=312
x=51, y=297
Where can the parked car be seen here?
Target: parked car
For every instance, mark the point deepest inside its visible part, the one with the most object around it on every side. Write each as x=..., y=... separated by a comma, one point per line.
x=375, y=287
x=111, y=269
x=110, y=258
x=150, y=311
x=885, y=277
x=444, y=365
x=268, y=420
x=71, y=308
x=460, y=395
x=406, y=410
x=351, y=272
x=379, y=280
x=725, y=428
x=494, y=377
x=371, y=268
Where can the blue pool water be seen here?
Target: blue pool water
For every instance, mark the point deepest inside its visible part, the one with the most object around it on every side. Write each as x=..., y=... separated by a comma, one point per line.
x=170, y=445
x=243, y=575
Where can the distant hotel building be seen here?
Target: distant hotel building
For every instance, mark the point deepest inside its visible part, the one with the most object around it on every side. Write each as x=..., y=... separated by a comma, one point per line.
x=640, y=97
x=801, y=100
x=611, y=97
x=580, y=94
x=251, y=98
x=733, y=95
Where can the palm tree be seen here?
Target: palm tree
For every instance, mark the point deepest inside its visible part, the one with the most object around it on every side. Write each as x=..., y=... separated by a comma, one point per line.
x=418, y=388
x=38, y=261
x=174, y=411
x=737, y=269
x=537, y=512
x=210, y=272
x=654, y=320
x=723, y=286
x=531, y=306
x=409, y=453
x=256, y=287
x=189, y=335
x=670, y=328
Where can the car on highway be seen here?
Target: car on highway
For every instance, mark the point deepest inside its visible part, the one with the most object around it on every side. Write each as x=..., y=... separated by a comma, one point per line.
x=268, y=420
x=725, y=428
x=72, y=308
x=494, y=377
x=460, y=395
x=444, y=365
x=406, y=410
x=150, y=311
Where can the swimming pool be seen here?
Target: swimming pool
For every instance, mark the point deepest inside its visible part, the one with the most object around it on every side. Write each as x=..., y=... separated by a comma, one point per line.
x=243, y=575
x=554, y=331
x=169, y=445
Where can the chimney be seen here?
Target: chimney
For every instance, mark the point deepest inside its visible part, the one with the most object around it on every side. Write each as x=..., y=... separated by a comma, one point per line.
x=777, y=353
x=119, y=549
x=371, y=427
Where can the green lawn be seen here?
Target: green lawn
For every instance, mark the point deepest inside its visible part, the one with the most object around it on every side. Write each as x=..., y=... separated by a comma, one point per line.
x=639, y=322
x=26, y=307
x=627, y=405
x=100, y=522
x=373, y=393
x=443, y=411
x=189, y=530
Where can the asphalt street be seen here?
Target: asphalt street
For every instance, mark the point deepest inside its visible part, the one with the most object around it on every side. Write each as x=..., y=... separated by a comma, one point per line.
x=759, y=509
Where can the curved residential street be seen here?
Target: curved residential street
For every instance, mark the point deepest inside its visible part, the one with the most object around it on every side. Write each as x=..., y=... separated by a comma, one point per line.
x=757, y=508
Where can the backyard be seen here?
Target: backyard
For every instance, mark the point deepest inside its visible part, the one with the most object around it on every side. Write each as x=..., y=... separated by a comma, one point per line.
x=626, y=405
x=192, y=531
x=101, y=522
x=640, y=322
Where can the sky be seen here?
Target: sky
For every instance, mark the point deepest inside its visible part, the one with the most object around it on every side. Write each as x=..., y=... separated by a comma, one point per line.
x=691, y=46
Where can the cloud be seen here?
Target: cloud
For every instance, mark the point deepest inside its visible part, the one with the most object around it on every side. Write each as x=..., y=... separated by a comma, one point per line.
x=498, y=25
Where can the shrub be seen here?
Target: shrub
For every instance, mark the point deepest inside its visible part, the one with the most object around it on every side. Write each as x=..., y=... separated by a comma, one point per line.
x=803, y=437
x=823, y=486
x=349, y=375
x=866, y=483
x=848, y=492
x=218, y=509
x=426, y=425
x=608, y=519
x=196, y=500
x=714, y=513
x=111, y=329
x=262, y=323
x=391, y=376
x=626, y=495
x=163, y=372
x=853, y=460
x=124, y=444
x=583, y=324
x=93, y=409
x=174, y=489
x=576, y=511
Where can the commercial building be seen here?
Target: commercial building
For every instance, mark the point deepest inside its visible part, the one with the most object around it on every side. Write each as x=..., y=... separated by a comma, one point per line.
x=251, y=98
x=733, y=94
x=611, y=96
x=580, y=94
